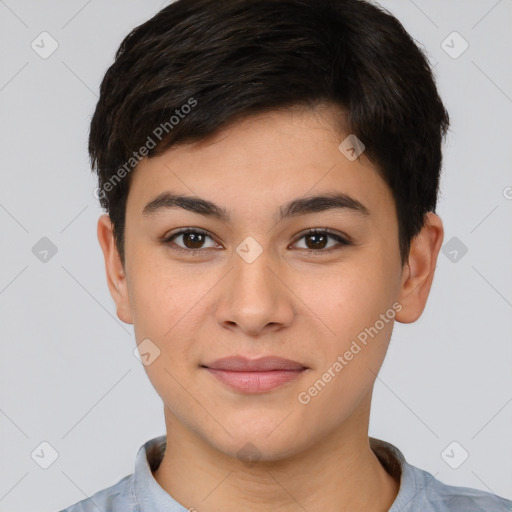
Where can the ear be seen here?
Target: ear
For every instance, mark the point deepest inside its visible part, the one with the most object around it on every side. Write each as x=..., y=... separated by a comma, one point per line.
x=116, y=277
x=418, y=271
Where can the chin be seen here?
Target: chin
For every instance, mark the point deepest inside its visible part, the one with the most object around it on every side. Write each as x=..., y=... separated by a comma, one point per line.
x=267, y=445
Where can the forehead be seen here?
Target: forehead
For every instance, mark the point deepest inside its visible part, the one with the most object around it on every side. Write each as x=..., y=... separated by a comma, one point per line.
x=262, y=161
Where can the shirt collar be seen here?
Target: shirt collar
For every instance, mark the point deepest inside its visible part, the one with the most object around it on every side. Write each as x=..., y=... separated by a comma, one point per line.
x=413, y=481
x=150, y=497
x=147, y=493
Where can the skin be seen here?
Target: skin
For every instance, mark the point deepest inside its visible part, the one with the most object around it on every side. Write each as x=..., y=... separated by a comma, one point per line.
x=303, y=305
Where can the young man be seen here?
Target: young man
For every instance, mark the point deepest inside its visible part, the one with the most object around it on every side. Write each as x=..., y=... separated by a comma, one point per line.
x=270, y=171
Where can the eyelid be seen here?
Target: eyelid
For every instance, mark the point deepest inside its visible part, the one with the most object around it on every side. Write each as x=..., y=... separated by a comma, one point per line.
x=342, y=239
x=169, y=239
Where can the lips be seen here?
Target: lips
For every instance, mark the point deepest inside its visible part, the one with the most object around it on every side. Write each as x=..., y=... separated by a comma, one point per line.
x=263, y=364
x=255, y=375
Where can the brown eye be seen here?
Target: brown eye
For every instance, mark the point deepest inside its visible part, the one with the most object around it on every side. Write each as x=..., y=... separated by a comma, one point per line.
x=192, y=241
x=318, y=239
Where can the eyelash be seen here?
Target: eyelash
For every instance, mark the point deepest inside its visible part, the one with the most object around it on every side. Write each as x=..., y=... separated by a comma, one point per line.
x=324, y=231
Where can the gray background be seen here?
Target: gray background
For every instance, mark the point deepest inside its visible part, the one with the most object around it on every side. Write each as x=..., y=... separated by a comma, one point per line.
x=68, y=374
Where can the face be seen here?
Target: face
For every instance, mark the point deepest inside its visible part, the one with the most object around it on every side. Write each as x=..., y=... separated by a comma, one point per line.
x=242, y=275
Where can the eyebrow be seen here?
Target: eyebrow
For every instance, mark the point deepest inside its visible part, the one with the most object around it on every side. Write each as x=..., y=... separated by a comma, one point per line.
x=296, y=207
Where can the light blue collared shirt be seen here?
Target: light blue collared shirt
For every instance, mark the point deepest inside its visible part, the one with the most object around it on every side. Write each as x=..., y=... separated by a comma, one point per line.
x=419, y=490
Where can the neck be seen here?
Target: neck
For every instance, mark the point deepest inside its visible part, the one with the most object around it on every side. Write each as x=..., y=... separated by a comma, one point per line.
x=341, y=469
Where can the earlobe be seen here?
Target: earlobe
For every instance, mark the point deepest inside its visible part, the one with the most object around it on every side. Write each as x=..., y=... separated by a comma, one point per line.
x=115, y=273
x=419, y=270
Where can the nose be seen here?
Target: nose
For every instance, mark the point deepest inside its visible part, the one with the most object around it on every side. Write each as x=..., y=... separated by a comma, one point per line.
x=255, y=298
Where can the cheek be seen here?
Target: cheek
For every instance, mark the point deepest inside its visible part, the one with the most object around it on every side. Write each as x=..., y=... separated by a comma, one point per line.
x=161, y=296
x=355, y=308
x=347, y=297
x=348, y=369
x=168, y=304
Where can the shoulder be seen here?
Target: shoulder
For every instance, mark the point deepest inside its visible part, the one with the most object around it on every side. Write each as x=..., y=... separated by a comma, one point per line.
x=118, y=497
x=421, y=491
x=436, y=496
x=133, y=491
